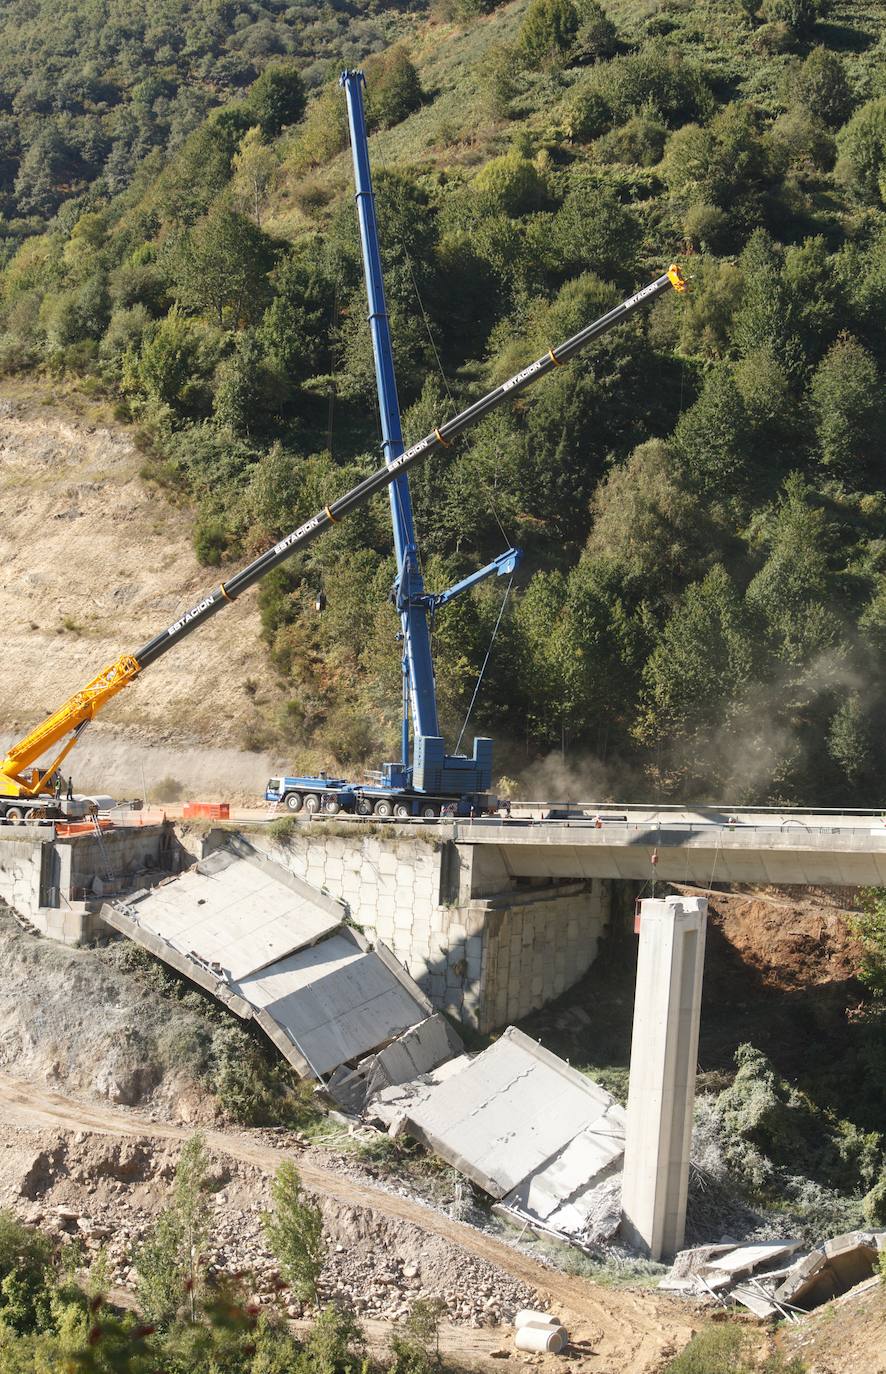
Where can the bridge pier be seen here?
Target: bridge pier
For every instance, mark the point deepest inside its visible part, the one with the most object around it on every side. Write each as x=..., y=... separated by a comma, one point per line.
x=661, y=1095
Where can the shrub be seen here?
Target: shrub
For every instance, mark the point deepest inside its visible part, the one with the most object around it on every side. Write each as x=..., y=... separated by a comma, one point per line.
x=597, y=36
x=587, y=116
x=800, y=142
x=210, y=541
x=641, y=140
x=393, y=88
x=799, y=15
x=657, y=77
x=548, y=32
x=874, y=1204
x=716, y=1350
x=862, y=148
x=511, y=184
x=705, y=227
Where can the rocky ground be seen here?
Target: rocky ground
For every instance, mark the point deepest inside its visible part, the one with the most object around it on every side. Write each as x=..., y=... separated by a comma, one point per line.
x=107, y=1193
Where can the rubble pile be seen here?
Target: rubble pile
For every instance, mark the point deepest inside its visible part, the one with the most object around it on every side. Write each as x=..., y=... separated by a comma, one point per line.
x=773, y=1279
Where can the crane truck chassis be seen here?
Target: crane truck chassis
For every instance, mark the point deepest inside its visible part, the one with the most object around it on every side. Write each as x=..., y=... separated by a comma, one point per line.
x=27, y=786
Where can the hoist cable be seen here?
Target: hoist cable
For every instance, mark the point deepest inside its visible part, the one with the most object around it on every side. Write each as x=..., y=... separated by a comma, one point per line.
x=485, y=662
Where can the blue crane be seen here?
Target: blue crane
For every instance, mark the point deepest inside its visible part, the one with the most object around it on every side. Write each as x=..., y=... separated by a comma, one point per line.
x=431, y=770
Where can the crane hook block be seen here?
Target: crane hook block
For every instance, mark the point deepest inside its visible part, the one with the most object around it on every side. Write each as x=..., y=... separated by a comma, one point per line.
x=676, y=278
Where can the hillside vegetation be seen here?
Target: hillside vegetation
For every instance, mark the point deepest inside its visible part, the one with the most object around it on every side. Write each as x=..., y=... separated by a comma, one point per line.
x=702, y=607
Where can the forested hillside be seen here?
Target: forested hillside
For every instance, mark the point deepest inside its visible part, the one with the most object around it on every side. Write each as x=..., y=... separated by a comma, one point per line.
x=701, y=611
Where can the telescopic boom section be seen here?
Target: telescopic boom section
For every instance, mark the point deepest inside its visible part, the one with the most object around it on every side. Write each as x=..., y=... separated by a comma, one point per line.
x=418, y=668
x=81, y=707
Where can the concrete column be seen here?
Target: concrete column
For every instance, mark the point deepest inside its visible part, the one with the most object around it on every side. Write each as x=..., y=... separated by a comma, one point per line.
x=664, y=1052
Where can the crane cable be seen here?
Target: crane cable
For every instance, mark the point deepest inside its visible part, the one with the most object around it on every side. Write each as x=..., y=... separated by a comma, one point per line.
x=485, y=662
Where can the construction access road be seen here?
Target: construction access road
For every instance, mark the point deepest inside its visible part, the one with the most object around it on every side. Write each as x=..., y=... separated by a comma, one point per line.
x=629, y=1331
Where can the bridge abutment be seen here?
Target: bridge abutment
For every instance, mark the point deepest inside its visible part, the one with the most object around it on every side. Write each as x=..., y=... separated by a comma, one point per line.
x=483, y=945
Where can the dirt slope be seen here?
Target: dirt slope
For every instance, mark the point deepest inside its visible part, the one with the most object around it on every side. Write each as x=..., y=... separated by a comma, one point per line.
x=92, y=563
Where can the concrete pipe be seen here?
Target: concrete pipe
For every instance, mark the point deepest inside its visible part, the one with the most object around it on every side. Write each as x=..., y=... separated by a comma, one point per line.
x=541, y=1339
x=527, y=1317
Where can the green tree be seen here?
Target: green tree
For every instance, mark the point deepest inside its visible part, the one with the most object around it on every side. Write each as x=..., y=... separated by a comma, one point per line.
x=223, y=268
x=547, y=34
x=593, y=229
x=255, y=169
x=173, y=365
x=26, y=1276
x=294, y=1231
x=246, y=391
x=793, y=592
x=698, y=672
x=170, y=1262
x=760, y=321
x=649, y=523
x=277, y=98
x=846, y=396
x=862, y=148
x=393, y=88
x=821, y=87
x=295, y=328
x=712, y=439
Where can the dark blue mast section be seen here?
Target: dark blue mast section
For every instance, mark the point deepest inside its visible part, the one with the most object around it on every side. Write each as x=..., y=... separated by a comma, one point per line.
x=418, y=668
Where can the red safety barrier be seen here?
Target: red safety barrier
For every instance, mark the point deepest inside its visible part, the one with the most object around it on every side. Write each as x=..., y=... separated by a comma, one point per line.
x=213, y=811
x=65, y=828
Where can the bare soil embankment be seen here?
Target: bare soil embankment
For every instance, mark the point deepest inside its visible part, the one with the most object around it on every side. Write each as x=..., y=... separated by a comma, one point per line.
x=93, y=562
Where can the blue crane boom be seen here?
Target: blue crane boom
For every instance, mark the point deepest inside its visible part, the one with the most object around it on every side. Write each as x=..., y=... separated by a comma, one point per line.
x=432, y=769
x=418, y=670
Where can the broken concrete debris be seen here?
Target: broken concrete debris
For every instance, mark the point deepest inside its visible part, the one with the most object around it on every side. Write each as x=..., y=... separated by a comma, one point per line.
x=276, y=950
x=771, y=1279
x=538, y=1136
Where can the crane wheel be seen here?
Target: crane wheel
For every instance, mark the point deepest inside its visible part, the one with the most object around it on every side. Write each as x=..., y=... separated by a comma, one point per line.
x=429, y=813
x=33, y=814
x=402, y=809
x=331, y=806
x=383, y=807
x=14, y=815
x=293, y=801
x=364, y=807
x=312, y=803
